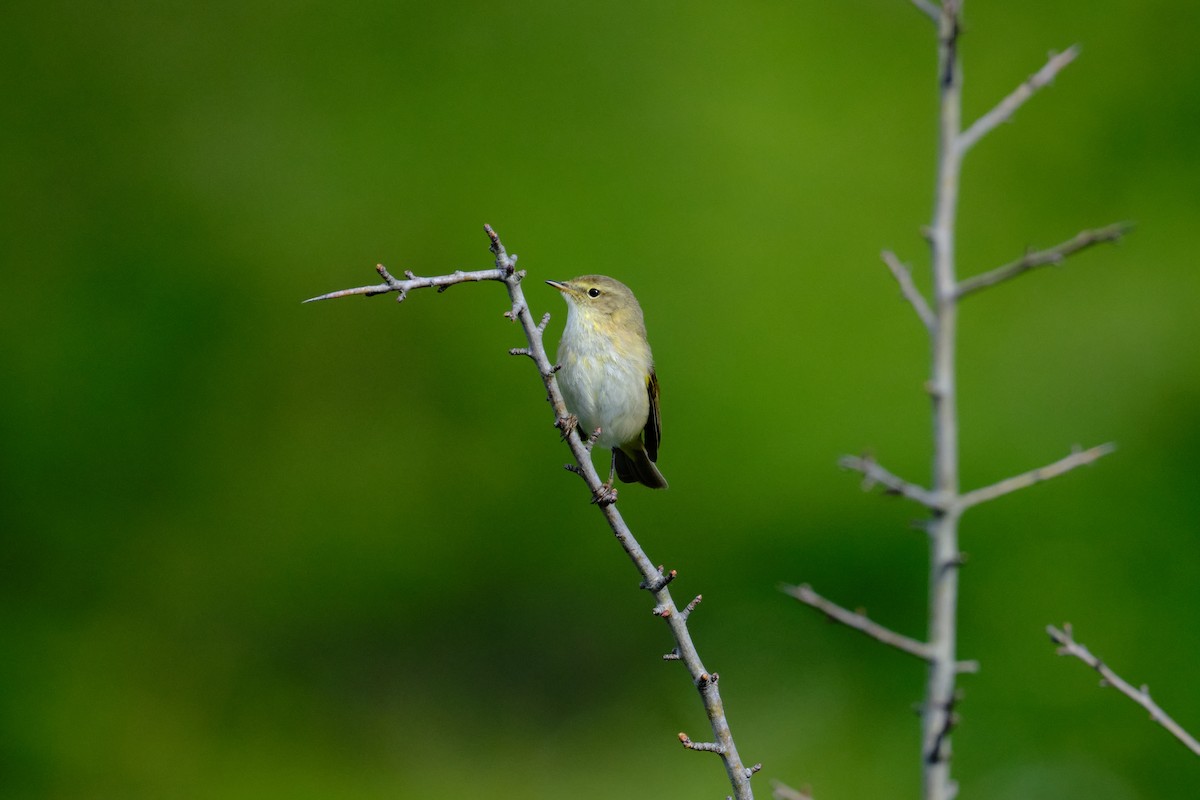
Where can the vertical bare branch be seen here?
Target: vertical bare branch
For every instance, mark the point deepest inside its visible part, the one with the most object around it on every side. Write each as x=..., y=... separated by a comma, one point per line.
x=944, y=557
x=944, y=499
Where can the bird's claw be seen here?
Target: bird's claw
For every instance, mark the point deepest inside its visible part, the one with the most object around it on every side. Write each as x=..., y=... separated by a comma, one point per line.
x=566, y=425
x=606, y=495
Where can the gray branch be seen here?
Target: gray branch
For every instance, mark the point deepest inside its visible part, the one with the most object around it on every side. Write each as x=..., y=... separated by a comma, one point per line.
x=1009, y=105
x=875, y=474
x=912, y=294
x=1078, y=458
x=1041, y=258
x=937, y=718
x=781, y=791
x=402, y=288
x=653, y=579
x=863, y=624
x=1069, y=647
x=943, y=498
x=859, y=622
x=928, y=9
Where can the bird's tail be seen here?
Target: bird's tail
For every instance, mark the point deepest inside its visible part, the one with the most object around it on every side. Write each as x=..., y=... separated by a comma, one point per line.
x=636, y=467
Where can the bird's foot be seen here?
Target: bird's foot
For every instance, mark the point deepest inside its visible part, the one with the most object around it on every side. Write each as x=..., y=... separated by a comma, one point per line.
x=606, y=495
x=566, y=425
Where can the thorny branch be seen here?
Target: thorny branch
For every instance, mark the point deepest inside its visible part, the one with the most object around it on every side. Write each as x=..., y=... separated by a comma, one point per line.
x=653, y=579
x=402, y=288
x=1069, y=647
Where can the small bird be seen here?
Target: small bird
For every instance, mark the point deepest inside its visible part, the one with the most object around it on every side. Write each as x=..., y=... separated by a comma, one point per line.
x=607, y=377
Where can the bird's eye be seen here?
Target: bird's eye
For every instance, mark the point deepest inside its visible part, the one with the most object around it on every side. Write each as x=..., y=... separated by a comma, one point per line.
x=593, y=292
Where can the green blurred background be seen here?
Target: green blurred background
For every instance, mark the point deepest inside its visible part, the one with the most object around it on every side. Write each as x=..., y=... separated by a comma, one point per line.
x=259, y=549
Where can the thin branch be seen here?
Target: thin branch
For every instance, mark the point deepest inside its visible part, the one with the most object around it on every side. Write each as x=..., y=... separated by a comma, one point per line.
x=662, y=580
x=652, y=578
x=874, y=474
x=781, y=791
x=928, y=9
x=1078, y=458
x=859, y=622
x=1009, y=105
x=1069, y=647
x=1040, y=258
x=912, y=294
x=402, y=288
x=703, y=747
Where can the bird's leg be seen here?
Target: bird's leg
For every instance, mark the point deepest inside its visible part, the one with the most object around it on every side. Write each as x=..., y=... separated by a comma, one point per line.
x=590, y=442
x=606, y=495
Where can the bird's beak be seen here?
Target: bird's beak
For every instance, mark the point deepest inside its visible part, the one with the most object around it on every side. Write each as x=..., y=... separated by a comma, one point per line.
x=569, y=291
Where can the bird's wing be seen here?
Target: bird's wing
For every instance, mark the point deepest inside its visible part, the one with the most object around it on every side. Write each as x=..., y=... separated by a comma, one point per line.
x=654, y=421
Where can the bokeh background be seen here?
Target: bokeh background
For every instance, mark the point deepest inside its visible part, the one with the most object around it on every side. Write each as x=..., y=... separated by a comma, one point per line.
x=256, y=549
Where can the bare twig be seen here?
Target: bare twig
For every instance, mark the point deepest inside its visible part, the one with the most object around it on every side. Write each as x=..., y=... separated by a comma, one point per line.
x=1069, y=647
x=1078, y=458
x=912, y=294
x=1040, y=258
x=928, y=9
x=781, y=791
x=1004, y=110
x=652, y=578
x=402, y=288
x=704, y=747
x=662, y=580
x=874, y=474
x=859, y=622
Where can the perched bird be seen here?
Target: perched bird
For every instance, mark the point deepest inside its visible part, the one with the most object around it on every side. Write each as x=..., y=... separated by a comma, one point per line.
x=607, y=376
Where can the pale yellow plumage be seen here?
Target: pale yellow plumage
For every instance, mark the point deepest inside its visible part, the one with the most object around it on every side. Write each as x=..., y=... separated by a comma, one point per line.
x=607, y=376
